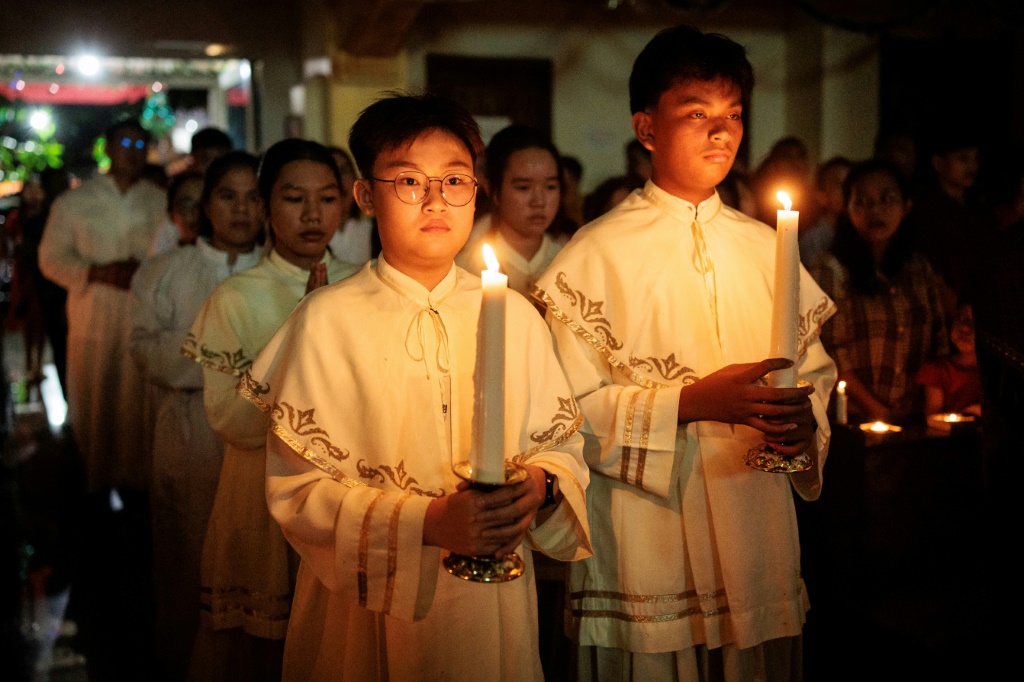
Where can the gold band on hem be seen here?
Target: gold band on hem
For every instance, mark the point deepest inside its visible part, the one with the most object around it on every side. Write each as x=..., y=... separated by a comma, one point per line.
x=580, y=614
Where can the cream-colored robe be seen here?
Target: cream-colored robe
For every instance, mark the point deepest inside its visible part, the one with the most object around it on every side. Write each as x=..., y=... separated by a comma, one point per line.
x=247, y=570
x=690, y=546
x=522, y=273
x=98, y=224
x=367, y=386
x=169, y=291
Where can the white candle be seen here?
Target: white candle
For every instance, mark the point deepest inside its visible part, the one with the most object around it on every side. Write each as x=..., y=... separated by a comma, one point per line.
x=785, y=305
x=489, y=378
x=841, y=415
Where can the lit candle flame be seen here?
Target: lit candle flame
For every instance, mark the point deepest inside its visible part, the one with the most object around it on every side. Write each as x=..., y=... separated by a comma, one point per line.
x=490, y=259
x=952, y=417
x=879, y=427
x=784, y=198
x=842, y=387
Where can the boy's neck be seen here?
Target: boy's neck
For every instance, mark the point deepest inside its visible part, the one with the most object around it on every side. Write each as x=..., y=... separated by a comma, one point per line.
x=427, y=275
x=695, y=195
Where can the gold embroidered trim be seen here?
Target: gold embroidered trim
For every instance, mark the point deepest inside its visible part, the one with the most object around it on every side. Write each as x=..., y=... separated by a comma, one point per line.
x=389, y=590
x=554, y=442
x=251, y=390
x=809, y=325
x=303, y=423
x=260, y=605
x=229, y=362
x=398, y=475
x=645, y=598
x=627, y=437
x=590, y=310
x=593, y=341
x=645, y=433
x=661, y=618
x=567, y=412
x=364, y=549
x=313, y=458
x=669, y=367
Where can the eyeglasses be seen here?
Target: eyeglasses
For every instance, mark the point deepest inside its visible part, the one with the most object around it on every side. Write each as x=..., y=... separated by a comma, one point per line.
x=412, y=187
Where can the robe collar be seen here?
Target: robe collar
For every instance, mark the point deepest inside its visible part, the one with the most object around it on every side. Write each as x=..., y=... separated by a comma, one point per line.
x=682, y=209
x=413, y=290
x=220, y=258
x=294, y=271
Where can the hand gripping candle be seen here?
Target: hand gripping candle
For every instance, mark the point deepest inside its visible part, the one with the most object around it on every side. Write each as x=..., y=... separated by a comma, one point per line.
x=489, y=377
x=786, y=298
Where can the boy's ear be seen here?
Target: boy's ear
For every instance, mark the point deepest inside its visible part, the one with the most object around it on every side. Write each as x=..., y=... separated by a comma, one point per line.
x=642, y=128
x=363, y=195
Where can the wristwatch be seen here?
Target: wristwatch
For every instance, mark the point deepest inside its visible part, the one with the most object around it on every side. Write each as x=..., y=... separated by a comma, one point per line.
x=551, y=493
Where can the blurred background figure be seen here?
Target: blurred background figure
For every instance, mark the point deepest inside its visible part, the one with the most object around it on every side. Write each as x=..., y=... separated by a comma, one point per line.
x=952, y=384
x=523, y=171
x=605, y=197
x=570, y=214
x=735, y=191
x=817, y=237
x=888, y=319
x=787, y=167
x=638, y=164
x=169, y=291
x=207, y=145
x=900, y=150
x=356, y=239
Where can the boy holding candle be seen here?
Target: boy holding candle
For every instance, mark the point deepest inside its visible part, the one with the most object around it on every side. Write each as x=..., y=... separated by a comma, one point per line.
x=661, y=312
x=369, y=387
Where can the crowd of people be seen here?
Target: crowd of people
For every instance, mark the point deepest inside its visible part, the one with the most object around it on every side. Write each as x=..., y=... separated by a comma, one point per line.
x=275, y=357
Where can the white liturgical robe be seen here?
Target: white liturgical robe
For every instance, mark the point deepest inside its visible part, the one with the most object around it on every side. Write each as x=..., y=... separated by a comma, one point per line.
x=369, y=389
x=98, y=224
x=246, y=574
x=691, y=547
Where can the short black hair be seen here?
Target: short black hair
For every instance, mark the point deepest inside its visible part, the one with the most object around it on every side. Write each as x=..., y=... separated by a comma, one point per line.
x=572, y=166
x=397, y=119
x=834, y=162
x=284, y=152
x=211, y=138
x=124, y=126
x=175, y=184
x=683, y=53
x=215, y=172
x=507, y=142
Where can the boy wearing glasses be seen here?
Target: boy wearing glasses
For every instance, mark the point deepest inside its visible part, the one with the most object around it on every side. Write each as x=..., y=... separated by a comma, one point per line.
x=369, y=388
x=661, y=313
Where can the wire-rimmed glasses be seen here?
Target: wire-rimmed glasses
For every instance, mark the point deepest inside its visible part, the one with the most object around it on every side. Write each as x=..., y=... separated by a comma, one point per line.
x=412, y=187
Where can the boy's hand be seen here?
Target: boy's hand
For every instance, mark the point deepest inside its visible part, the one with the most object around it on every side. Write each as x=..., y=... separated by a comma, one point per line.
x=478, y=524
x=732, y=396
x=797, y=440
x=317, y=277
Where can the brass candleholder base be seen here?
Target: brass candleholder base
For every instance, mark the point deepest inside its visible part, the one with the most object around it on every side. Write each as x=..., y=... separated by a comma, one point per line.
x=764, y=458
x=486, y=569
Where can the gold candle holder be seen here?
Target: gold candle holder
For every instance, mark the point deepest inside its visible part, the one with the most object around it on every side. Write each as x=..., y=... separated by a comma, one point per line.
x=486, y=569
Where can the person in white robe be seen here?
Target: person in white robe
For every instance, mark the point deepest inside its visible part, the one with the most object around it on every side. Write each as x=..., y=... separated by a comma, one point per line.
x=524, y=173
x=370, y=393
x=661, y=315
x=93, y=241
x=247, y=569
x=169, y=292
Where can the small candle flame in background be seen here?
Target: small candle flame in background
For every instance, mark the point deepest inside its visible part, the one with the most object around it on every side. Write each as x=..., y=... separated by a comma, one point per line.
x=879, y=427
x=490, y=259
x=952, y=417
x=842, y=388
x=787, y=203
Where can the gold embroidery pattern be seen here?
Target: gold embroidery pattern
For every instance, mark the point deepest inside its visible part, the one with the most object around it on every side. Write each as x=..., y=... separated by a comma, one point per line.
x=627, y=437
x=389, y=589
x=593, y=341
x=554, y=442
x=302, y=423
x=364, y=549
x=590, y=310
x=563, y=419
x=251, y=390
x=645, y=432
x=809, y=325
x=313, y=458
x=226, y=602
x=398, y=476
x=669, y=367
x=229, y=362
x=711, y=604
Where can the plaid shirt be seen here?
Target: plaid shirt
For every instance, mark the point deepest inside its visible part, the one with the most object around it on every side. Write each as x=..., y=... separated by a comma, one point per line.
x=885, y=338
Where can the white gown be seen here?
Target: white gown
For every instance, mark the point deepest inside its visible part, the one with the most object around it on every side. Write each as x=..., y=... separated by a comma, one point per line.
x=369, y=390
x=98, y=224
x=169, y=292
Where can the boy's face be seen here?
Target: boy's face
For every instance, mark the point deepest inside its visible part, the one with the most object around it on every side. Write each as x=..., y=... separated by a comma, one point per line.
x=957, y=168
x=693, y=134
x=419, y=240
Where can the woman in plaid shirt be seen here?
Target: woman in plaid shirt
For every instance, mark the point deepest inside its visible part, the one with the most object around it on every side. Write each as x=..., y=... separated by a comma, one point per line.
x=889, y=319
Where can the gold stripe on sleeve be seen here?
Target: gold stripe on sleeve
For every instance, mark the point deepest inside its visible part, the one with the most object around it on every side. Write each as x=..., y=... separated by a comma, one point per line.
x=627, y=437
x=389, y=591
x=364, y=548
x=645, y=433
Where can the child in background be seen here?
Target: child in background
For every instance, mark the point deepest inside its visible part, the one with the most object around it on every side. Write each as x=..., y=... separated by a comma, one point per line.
x=952, y=384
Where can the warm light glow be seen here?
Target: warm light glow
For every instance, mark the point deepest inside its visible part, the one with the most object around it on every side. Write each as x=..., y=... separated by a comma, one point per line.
x=786, y=201
x=842, y=388
x=951, y=417
x=490, y=259
x=39, y=119
x=215, y=50
x=191, y=125
x=59, y=69
x=19, y=86
x=245, y=69
x=88, y=65
x=54, y=88
x=879, y=427
x=158, y=86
